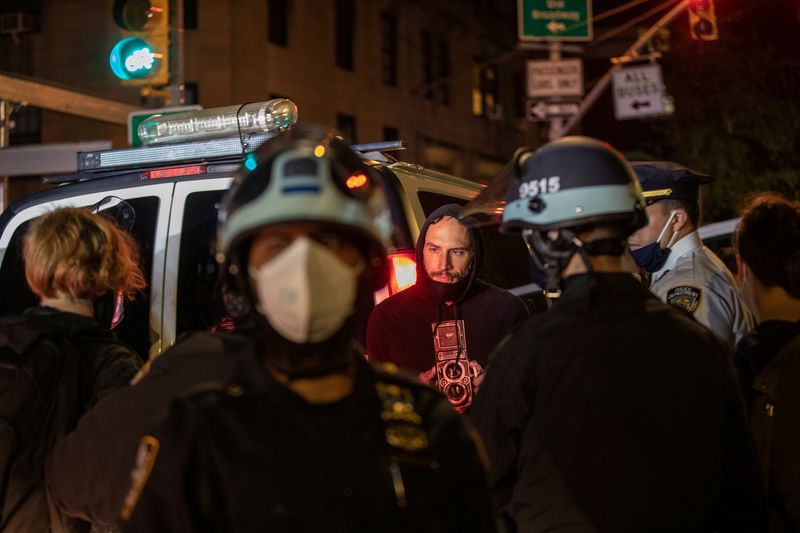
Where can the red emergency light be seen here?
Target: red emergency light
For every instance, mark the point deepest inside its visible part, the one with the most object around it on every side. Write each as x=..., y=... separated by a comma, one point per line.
x=174, y=172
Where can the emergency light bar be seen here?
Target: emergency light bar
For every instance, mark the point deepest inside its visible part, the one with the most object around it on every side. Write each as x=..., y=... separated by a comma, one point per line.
x=272, y=116
x=161, y=154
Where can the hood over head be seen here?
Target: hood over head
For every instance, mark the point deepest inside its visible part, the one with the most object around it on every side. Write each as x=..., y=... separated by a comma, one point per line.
x=450, y=291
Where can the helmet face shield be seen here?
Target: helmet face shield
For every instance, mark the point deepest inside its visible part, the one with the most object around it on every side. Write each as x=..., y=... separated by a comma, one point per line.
x=487, y=208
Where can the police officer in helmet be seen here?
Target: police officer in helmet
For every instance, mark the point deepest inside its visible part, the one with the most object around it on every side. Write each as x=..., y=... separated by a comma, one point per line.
x=308, y=436
x=608, y=413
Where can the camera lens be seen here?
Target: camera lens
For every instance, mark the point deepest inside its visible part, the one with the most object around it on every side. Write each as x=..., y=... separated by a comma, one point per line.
x=456, y=392
x=453, y=371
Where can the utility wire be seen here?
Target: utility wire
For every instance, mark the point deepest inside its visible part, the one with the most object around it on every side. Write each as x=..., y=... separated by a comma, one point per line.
x=606, y=14
x=619, y=29
x=618, y=9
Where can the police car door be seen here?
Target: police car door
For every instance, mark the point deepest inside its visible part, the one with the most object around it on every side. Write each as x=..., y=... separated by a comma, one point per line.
x=142, y=325
x=192, y=299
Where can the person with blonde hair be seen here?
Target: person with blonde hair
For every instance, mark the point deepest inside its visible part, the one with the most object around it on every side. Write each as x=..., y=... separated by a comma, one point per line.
x=60, y=358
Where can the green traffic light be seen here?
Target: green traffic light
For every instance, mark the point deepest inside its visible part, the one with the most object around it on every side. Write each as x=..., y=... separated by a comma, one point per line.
x=133, y=58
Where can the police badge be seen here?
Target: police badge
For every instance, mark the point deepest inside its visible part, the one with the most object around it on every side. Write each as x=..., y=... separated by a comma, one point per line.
x=685, y=297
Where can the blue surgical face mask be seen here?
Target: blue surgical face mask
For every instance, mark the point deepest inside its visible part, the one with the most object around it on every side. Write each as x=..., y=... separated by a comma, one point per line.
x=652, y=256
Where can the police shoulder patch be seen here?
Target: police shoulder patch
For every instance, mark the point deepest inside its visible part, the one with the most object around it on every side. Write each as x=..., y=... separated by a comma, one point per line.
x=685, y=297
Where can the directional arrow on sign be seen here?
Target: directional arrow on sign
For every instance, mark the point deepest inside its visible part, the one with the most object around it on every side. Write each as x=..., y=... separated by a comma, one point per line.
x=542, y=110
x=640, y=104
x=555, y=27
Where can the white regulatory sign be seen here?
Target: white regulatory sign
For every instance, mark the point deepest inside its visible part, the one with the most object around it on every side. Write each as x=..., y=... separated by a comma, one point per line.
x=638, y=92
x=563, y=77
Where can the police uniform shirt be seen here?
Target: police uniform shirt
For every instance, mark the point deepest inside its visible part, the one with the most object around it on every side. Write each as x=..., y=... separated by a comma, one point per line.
x=696, y=280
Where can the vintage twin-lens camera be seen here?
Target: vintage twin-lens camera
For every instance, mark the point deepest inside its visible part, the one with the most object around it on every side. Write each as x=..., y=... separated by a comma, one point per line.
x=453, y=375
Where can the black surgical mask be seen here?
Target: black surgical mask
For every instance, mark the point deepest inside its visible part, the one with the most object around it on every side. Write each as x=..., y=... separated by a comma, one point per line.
x=652, y=256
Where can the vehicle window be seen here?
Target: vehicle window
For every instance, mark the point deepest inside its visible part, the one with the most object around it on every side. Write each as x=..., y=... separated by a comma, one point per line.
x=135, y=328
x=431, y=201
x=506, y=262
x=16, y=294
x=199, y=304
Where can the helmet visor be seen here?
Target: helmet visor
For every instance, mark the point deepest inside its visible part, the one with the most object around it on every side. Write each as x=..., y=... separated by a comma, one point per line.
x=487, y=208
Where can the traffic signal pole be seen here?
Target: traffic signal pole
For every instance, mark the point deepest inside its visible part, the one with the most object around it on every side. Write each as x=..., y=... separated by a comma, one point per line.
x=5, y=133
x=55, y=98
x=180, y=64
x=559, y=129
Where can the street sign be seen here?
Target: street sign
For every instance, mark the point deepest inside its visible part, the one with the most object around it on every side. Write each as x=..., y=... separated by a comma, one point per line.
x=541, y=110
x=638, y=92
x=554, y=20
x=137, y=117
x=563, y=77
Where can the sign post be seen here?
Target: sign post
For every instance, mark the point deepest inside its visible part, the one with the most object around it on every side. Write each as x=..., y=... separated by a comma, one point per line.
x=556, y=20
x=638, y=92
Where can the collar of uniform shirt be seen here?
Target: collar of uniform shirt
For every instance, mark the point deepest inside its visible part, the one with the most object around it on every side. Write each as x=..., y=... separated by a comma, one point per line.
x=689, y=243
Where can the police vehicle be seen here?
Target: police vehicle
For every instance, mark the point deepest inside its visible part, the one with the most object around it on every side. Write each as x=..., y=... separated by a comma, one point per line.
x=718, y=236
x=174, y=185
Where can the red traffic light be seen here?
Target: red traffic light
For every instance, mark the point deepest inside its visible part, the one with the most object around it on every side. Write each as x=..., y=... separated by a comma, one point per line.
x=703, y=20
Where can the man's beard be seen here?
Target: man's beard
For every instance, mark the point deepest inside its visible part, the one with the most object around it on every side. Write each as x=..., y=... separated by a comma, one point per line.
x=453, y=277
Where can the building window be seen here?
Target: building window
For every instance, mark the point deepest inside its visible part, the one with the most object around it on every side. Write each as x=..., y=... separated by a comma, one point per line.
x=443, y=157
x=427, y=64
x=344, y=31
x=189, y=14
x=278, y=22
x=389, y=49
x=518, y=87
x=435, y=68
x=347, y=126
x=443, y=72
x=27, y=125
x=485, y=96
x=391, y=134
x=191, y=93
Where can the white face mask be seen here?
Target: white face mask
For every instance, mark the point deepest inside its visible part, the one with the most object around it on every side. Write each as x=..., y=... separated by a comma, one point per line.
x=306, y=292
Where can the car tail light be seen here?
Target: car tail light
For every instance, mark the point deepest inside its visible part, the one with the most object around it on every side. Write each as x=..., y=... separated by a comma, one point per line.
x=403, y=271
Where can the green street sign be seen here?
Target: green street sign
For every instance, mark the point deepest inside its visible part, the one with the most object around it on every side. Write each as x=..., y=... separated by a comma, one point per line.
x=555, y=20
x=137, y=117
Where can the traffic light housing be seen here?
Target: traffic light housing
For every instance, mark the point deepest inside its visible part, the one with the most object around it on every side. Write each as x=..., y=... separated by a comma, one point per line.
x=141, y=55
x=703, y=20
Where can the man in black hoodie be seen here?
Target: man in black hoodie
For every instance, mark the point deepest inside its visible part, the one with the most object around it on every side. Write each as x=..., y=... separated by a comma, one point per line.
x=445, y=326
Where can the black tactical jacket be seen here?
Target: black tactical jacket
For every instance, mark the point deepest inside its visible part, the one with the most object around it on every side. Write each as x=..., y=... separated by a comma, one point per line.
x=73, y=362
x=392, y=456
x=89, y=470
x=614, y=412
